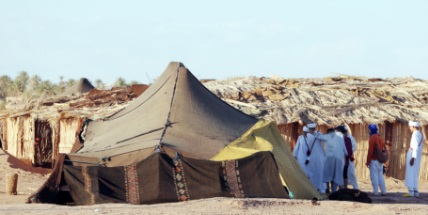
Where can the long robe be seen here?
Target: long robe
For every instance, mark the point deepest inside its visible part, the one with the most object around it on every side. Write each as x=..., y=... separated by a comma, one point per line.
x=352, y=176
x=335, y=158
x=299, y=153
x=316, y=162
x=415, y=151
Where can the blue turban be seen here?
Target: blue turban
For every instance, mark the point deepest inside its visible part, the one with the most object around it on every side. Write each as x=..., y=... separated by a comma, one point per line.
x=373, y=129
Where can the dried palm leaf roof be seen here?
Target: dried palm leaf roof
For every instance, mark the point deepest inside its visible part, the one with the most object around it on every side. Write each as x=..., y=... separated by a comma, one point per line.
x=93, y=105
x=329, y=101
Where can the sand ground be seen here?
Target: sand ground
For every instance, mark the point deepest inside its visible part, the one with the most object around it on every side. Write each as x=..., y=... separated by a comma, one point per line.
x=30, y=179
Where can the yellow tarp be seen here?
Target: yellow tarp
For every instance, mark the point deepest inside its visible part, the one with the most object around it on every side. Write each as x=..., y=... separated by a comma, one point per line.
x=265, y=136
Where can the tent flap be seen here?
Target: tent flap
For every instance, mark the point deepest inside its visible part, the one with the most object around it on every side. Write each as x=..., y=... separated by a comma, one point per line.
x=265, y=136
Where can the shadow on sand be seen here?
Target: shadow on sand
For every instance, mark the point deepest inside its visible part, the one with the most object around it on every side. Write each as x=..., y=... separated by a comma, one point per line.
x=398, y=198
x=15, y=163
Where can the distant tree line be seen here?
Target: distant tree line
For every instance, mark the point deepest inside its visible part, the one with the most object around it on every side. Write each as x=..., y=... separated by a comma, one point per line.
x=32, y=87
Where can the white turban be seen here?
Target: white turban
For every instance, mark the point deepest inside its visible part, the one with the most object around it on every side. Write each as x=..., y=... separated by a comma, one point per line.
x=305, y=129
x=312, y=125
x=414, y=124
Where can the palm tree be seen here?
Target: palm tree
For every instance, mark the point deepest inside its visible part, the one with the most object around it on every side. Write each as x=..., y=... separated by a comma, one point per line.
x=120, y=82
x=34, y=82
x=5, y=84
x=70, y=82
x=21, y=81
x=99, y=84
x=61, y=84
x=47, y=88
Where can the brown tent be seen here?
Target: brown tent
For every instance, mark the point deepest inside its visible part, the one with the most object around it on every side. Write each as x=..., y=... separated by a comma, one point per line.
x=80, y=87
x=173, y=144
x=177, y=113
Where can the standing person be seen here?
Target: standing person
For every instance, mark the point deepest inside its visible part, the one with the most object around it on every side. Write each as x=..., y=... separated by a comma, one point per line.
x=352, y=176
x=316, y=158
x=376, y=168
x=300, y=150
x=334, y=160
x=348, y=157
x=350, y=173
x=413, y=160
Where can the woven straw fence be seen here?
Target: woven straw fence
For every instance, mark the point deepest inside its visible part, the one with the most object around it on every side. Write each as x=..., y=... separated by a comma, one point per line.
x=399, y=138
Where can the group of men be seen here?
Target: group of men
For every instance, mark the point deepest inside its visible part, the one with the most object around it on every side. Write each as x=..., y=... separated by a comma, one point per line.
x=333, y=165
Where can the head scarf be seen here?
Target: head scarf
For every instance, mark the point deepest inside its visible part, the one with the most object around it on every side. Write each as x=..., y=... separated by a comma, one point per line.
x=373, y=129
x=342, y=129
x=414, y=124
x=305, y=129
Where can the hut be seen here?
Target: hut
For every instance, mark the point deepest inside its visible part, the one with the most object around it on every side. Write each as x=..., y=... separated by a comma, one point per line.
x=43, y=128
x=353, y=101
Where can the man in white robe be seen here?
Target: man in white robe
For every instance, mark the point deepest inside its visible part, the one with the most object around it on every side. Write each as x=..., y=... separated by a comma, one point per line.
x=334, y=160
x=413, y=160
x=300, y=150
x=352, y=177
x=316, y=158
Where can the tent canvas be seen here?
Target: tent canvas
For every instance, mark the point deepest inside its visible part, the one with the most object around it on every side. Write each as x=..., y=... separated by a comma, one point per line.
x=177, y=138
x=78, y=88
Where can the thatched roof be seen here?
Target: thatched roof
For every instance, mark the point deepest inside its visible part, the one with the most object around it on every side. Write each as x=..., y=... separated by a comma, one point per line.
x=94, y=105
x=329, y=101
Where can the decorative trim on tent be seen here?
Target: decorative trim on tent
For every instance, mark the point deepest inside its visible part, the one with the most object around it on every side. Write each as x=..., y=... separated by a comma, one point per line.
x=232, y=178
x=180, y=181
x=88, y=184
x=131, y=184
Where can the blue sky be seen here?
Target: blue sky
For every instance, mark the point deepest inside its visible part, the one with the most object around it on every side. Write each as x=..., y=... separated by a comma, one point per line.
x=101, y=39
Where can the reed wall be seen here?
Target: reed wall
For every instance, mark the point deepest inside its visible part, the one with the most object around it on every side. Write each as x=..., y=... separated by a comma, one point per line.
x=396, y=136
x=18, y=137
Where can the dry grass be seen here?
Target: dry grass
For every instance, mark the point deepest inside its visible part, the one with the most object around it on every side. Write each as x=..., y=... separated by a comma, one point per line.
x=329, y=101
